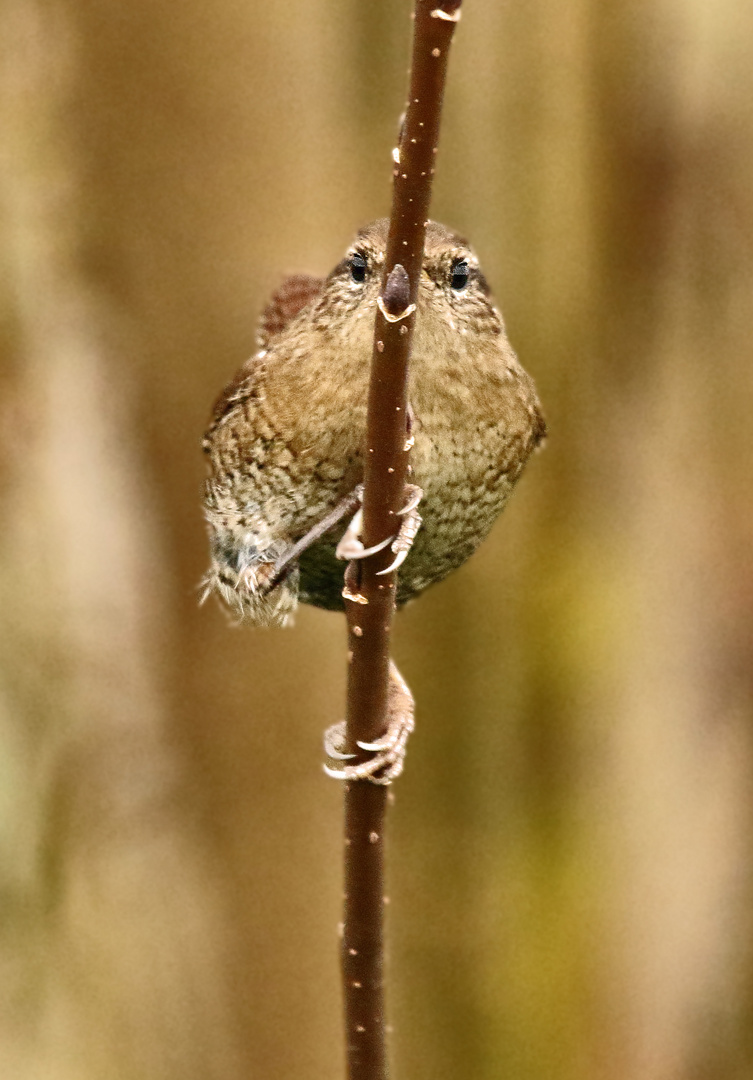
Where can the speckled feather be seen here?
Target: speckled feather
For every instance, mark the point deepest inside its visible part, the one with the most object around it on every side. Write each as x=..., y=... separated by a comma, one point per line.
x=287, y=435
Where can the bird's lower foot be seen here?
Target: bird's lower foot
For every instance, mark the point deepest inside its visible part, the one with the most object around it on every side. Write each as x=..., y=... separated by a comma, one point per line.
x=388, y=752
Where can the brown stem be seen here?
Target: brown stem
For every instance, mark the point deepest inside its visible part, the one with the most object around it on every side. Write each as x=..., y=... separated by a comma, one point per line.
x=385, y=474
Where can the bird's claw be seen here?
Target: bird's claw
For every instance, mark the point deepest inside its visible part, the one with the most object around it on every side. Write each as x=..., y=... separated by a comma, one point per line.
x=387, y=762
x=389, y=751
x=416, y=495
x=351, y=546
x=374, y=747
x=409, y=526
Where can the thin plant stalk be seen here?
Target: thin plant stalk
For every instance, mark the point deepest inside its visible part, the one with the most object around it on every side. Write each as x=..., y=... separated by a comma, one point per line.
x=369, y=617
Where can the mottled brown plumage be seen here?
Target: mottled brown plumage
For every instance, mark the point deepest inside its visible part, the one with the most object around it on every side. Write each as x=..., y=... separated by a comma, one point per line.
x=286, y=439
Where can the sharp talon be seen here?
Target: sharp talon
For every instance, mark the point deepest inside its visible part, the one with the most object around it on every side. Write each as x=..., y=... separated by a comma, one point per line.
x=396, y=562
x=380, y=744
x=388, y=751
x=410, y=525
x=334, y=738
x=349, y=548
x=412, y=502
x=336, y=774
x=337, y=756
x=376, y=547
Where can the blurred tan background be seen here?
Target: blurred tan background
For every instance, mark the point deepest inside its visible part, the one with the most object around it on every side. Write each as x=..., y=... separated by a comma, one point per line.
x=570, y=859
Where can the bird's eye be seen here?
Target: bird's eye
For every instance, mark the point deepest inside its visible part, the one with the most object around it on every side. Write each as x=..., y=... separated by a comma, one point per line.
x=358, y=267
x=460, y=274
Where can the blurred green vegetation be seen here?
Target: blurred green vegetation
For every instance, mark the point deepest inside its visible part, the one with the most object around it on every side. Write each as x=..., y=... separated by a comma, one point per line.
x=569, y=863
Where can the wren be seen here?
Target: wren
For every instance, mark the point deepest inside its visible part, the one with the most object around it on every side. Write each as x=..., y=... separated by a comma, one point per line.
x=286, y=440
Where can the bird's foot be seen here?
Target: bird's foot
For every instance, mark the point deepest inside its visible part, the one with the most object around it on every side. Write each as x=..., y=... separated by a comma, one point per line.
x=256, y=577
x=388, y=751
x=246, y=590
x=351, y=545
x=286, y=563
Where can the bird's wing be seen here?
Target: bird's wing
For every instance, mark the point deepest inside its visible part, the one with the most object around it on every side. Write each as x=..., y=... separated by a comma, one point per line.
x=292, y=296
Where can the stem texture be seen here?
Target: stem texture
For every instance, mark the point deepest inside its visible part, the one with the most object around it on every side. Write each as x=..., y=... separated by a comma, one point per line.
x=385, y=474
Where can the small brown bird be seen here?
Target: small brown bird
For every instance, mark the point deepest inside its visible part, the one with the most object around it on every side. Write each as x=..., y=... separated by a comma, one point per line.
x=286, y=441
